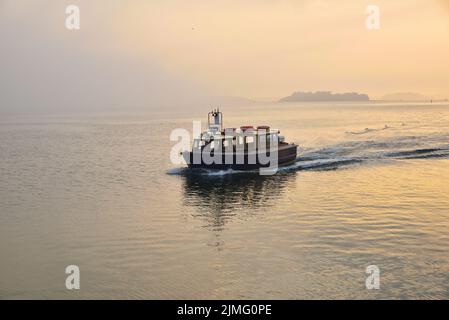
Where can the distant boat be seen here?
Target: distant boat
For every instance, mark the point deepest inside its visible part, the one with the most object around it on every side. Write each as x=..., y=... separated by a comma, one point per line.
x=244, y=148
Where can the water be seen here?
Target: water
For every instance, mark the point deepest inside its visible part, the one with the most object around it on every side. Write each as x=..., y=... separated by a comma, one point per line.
x=370, y=187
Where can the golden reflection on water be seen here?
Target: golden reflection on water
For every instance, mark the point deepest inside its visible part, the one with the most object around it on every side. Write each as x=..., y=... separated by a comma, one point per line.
x=106, y=203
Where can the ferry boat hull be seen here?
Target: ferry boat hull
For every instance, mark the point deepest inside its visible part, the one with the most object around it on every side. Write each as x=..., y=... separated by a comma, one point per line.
x=286, y=155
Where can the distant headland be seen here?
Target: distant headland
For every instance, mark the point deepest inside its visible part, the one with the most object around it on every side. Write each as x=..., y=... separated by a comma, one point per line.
x=325, y=96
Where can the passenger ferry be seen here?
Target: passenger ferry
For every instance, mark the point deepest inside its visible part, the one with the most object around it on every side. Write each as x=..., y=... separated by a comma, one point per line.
x=244, y=148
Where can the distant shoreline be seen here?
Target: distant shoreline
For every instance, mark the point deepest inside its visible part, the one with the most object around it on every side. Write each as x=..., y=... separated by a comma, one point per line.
x=329, y=96
x=325, y=96
x=371, y=101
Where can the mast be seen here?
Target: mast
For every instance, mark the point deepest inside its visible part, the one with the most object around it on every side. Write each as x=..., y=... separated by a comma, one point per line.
x=215, y=121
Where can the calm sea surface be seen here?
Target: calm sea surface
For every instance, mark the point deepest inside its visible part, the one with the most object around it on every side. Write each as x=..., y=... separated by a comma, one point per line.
x=370, y=187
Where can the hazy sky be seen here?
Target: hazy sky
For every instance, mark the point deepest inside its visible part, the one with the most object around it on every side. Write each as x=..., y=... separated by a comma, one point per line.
x=148, y=53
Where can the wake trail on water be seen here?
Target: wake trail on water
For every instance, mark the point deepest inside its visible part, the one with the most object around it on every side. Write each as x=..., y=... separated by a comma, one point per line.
x=349, y=153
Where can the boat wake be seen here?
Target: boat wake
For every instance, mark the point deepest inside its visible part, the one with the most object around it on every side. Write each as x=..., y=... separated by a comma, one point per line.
x=353, y=153
x=368, y=130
